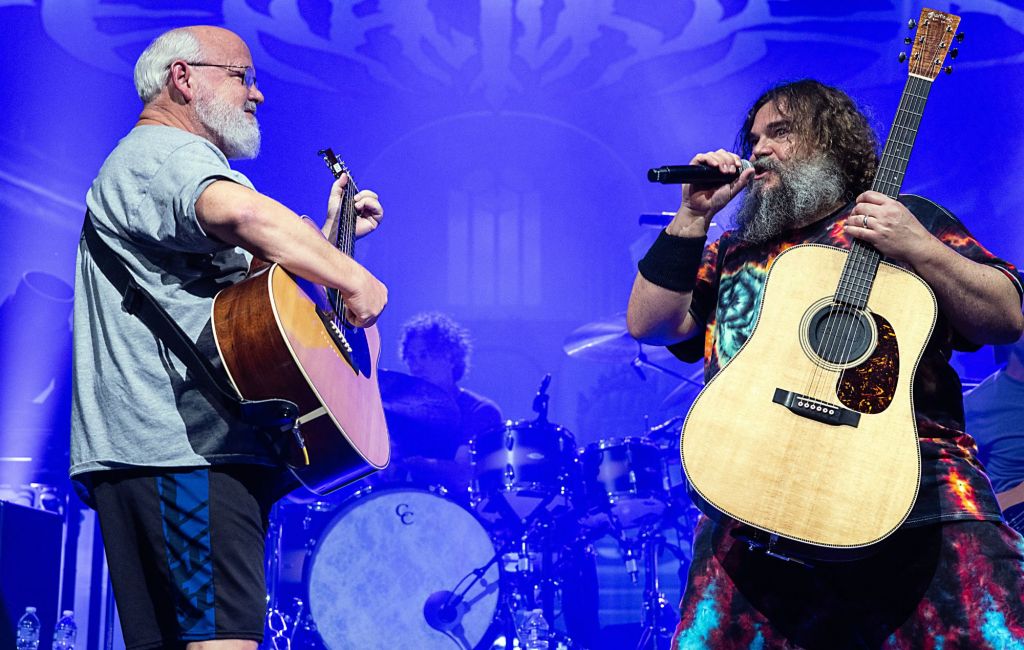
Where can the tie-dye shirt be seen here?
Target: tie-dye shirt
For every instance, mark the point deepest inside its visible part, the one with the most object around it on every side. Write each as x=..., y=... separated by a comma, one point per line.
x=727, y=298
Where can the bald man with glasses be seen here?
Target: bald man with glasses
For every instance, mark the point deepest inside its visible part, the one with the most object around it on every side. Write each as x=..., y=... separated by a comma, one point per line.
x=182, y=487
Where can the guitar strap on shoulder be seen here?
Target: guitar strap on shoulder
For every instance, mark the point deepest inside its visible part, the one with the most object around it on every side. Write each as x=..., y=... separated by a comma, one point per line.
x=274, y=414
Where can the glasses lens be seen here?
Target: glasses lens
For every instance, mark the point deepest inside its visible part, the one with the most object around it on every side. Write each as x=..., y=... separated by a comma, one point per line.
x=250, y=77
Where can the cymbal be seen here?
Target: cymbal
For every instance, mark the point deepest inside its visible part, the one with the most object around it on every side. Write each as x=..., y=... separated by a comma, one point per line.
x=417, y=400
x=607, y=340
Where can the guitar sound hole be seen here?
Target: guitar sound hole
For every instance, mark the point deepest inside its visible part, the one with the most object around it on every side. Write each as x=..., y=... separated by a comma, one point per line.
x=839, y=334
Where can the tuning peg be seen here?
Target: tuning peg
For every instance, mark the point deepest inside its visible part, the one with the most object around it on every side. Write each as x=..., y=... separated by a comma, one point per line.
x=960, y=37
x=948, y=69
x=911, y=24
x=954, y=53
x=908, y=40
x=902, y=57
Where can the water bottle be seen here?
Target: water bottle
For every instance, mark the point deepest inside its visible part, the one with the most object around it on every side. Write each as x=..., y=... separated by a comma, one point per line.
x=536, y=631
x=65, y=632
x=28, y=630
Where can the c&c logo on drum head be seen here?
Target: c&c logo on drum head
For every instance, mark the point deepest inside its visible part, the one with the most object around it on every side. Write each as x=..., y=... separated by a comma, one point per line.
x=404, y=513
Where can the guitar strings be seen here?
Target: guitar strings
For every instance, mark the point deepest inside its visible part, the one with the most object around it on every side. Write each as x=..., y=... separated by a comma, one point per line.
x=862, y=265
x=348, y=214
x=344, y=239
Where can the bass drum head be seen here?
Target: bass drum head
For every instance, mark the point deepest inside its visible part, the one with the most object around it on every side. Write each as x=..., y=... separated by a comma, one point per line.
x=384, y=555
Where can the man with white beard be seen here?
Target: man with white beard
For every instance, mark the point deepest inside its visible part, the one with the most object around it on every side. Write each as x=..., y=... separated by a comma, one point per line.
x=951, y=574
x=181, y=485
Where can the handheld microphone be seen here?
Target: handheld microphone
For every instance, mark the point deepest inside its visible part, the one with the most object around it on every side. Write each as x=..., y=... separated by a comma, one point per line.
x=699, y=174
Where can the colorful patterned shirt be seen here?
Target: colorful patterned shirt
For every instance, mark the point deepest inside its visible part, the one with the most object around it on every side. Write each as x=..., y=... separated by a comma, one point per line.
x=727, y=298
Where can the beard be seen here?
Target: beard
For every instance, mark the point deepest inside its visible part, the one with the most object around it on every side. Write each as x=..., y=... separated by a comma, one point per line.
x=238, y=135
x=804, y=189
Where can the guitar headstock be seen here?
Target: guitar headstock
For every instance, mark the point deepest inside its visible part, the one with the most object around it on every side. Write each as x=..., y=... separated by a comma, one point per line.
x=935, y=34
x=336, y=166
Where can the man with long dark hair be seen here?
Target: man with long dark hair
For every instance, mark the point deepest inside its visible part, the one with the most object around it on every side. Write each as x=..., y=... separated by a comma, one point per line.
x=952, y=572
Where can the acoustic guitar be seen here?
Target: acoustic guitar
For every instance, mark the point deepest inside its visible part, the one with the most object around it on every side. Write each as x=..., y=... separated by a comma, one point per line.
x=808, y=434
x=281, y=336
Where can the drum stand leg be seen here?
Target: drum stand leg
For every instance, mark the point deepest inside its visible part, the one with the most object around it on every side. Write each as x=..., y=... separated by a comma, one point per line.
x=281, y=634
x=530, y=586
x=276, y=621
x=656, y=610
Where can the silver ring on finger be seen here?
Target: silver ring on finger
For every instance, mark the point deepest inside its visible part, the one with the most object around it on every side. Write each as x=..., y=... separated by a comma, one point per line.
x=864, y=221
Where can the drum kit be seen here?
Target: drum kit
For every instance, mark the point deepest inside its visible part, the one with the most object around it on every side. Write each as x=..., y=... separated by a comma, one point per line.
x=418, y=564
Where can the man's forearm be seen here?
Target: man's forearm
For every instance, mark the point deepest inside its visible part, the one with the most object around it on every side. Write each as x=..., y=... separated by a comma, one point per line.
x=978, y=300
x=241, y=217
x=657, y=315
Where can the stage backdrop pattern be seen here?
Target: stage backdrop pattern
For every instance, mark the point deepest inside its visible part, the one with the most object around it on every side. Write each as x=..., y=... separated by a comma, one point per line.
x=508, y=141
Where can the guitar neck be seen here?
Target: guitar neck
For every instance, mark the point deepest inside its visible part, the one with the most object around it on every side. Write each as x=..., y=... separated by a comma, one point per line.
x=934, y=37
x=893, y=165
x=859, y=273
x=343, y=230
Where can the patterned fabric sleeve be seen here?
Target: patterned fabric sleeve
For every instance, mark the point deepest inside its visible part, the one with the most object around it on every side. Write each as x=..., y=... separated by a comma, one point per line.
x=702, y=305
x=952, y=232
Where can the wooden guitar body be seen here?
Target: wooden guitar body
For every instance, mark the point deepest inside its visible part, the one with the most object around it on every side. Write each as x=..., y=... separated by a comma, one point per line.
x=275, y=344
x=800, y=441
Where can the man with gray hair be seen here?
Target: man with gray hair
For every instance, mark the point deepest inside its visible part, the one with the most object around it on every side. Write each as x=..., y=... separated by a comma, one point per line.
x=182, y=487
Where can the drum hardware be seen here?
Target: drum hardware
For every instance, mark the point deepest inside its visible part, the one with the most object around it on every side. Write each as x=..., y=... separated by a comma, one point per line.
x=658, y=614
x=667, y=430
x=441, y=609
x=521, y=467
x=540, y=400
x=528, y=551
x=280, y=625
x=624, y=483
x=277, y=622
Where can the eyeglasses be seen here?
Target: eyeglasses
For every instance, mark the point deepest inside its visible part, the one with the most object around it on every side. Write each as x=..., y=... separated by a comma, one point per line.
x=248, y=77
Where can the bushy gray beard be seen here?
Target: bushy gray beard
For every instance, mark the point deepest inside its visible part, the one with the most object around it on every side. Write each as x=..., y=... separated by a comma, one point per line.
x=239, y=136
x=804, y=189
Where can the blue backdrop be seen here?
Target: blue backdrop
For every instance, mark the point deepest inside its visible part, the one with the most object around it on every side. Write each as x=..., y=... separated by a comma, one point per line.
x=508, y=140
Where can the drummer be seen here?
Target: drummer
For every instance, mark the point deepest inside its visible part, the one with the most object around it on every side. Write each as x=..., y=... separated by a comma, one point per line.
x=437, y=349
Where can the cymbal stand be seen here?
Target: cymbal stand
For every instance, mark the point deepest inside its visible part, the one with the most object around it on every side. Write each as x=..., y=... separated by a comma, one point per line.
x=640, y=361
x=282, y=627
x=277, y=621
x=528, y=586
x=658, y=614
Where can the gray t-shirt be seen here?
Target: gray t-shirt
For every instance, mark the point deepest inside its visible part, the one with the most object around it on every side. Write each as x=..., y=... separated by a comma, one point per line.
x=134, y=403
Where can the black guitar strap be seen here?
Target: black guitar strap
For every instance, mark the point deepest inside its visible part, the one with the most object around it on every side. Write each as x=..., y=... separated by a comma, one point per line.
x=268, y=414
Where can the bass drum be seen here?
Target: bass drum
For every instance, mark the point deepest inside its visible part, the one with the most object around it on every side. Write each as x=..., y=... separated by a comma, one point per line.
x=386, y=564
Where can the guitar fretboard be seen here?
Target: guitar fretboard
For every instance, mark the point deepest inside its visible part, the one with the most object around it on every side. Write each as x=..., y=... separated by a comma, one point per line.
x=862, y=264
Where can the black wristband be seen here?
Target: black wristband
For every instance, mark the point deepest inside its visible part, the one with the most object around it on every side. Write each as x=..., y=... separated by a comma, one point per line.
x=671, y=262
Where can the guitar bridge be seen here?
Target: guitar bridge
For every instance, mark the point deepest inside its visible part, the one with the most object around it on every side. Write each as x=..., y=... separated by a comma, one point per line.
x=330, y=321
x=817, y=410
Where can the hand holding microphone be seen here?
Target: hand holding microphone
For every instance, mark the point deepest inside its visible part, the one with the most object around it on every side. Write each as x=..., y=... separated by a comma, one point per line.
x=709, y=182
x=695, y=174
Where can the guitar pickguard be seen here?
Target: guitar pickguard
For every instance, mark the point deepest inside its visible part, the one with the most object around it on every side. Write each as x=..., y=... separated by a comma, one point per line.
x=870, y=386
